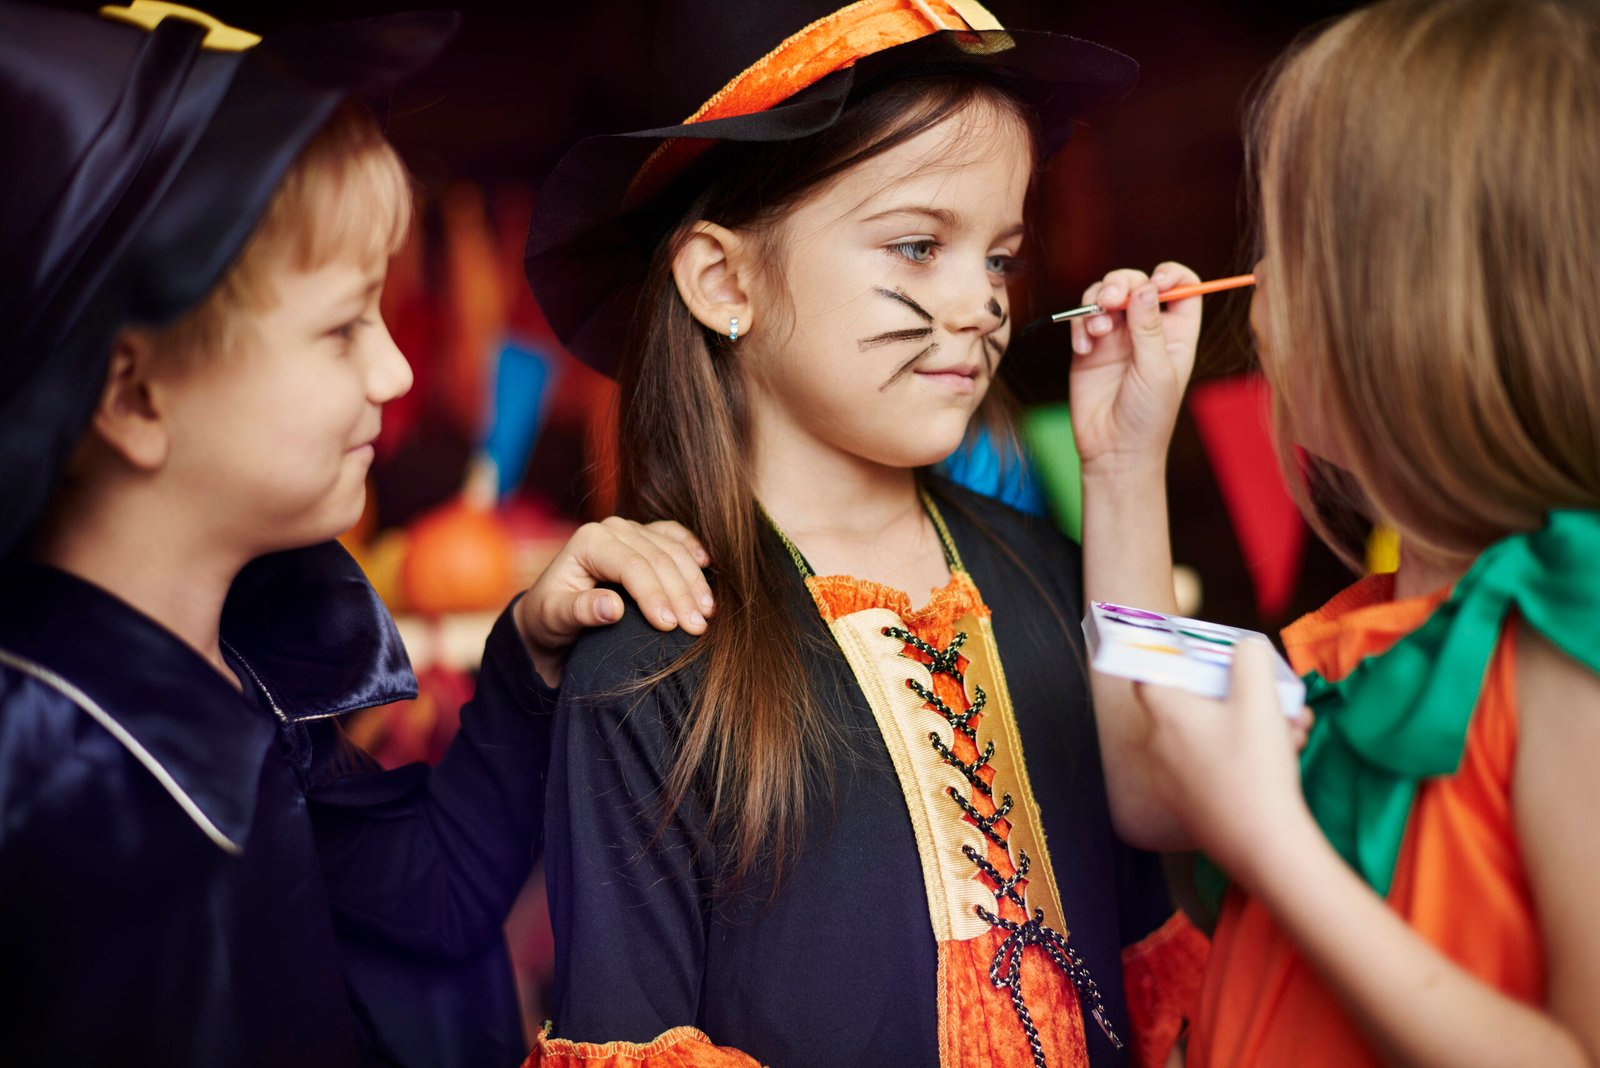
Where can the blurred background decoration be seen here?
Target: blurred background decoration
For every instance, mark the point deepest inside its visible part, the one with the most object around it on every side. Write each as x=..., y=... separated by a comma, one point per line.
x=504, y=445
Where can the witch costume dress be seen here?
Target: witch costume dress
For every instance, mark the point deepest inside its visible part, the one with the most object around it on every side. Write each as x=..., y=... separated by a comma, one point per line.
x=960, y=897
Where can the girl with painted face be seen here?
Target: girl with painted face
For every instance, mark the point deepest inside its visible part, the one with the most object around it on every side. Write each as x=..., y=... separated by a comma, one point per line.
x=854, y=821
x=1420, y=891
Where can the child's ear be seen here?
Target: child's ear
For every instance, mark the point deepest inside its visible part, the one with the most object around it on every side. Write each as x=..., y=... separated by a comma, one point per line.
x=128, y=418
x=714, y=270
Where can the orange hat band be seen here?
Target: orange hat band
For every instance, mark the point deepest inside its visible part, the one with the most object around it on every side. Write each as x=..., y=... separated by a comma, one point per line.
x=829, y=44
x=835, y=42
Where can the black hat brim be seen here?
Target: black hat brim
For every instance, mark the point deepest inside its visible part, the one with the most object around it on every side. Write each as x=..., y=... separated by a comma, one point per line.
x=588, y=248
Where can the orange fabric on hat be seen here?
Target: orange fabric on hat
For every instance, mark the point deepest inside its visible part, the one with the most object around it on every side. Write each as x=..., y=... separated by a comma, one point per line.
x=829, y=44
x=681, y=1047
x=1459, y=881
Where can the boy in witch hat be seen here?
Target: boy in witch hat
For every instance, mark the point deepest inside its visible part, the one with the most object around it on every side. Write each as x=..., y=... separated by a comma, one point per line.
x=195, y=866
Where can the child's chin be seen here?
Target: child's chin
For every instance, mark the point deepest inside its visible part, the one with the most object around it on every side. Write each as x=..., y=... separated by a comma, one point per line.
x=928, y=454
x=333, y=520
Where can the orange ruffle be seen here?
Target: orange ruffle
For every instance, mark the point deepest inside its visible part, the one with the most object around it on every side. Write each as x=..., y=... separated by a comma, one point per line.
x=681, y=1047
x=838, y=596
x=1162, y=975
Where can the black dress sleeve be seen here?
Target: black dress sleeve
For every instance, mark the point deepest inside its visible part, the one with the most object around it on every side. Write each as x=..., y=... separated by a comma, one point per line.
x=627, y=881
x=427, y=860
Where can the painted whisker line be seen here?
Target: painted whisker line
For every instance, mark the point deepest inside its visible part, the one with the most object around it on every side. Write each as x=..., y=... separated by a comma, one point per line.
x=916, y=333
x=903, y=369
x=991, y=343
x=995, y=347
x=900, y=296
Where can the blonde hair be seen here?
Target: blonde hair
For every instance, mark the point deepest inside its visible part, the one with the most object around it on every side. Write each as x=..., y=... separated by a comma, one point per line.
x=346, y=195
x=1428, y=177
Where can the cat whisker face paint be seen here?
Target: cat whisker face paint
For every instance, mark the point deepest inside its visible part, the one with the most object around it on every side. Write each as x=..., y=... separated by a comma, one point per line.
x=890, y=337
x=900, y=296
x=991, y=343
x=991, y=348
x=905, y=368
x=919, y=333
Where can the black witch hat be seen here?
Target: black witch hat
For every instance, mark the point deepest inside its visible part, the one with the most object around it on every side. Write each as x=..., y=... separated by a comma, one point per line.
x=772, y=71
x=142, y=146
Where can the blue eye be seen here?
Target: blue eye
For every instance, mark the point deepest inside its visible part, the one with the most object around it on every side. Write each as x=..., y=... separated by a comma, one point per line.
x=917, y=251
x=1002, y=264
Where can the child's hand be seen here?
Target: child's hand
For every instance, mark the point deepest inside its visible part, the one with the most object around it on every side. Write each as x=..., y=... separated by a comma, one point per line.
x=659, y=564
x=1130, y=368
x=1227, y=769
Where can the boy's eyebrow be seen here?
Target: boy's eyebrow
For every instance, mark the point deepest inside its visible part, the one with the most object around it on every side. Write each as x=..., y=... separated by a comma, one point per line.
x=364, y=294
x=943, y=216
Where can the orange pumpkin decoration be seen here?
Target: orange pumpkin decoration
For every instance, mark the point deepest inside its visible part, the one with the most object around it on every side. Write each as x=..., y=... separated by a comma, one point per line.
x=460, y=560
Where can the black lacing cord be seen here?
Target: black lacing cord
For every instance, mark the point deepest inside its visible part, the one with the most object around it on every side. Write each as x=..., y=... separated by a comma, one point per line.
x=943, y=661
x=1005, y=968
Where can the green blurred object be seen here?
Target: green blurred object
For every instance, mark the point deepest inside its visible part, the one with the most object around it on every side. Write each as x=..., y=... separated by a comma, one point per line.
x=1047, y=430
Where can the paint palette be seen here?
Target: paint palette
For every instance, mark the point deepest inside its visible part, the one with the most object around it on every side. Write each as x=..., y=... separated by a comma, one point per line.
x=1132, y=643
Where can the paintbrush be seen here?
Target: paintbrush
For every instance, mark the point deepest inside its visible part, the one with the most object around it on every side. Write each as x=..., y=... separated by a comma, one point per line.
x=1175, y=293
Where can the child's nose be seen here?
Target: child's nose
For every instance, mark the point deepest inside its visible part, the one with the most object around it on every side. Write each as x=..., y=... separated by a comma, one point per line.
x=974, y=306
x=389, y=376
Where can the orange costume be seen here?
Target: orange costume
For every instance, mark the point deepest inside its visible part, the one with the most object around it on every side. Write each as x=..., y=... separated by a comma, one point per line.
x=1458, y=878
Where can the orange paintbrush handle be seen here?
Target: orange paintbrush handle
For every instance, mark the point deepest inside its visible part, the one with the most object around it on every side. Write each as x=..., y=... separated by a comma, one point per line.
x=1175, y=293
x=1200, y=289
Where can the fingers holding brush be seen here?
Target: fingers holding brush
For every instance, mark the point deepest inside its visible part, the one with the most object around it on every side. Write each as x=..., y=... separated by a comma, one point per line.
x=1131, y=363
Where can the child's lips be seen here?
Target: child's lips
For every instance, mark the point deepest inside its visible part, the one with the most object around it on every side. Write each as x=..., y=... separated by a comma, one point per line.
x=960, y=379
x=367, y=441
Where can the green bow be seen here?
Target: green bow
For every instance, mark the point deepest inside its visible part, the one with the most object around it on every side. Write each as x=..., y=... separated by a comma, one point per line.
x=1401, y=717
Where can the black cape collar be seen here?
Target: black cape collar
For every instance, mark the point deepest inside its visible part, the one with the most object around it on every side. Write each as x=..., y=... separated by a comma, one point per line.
x=306, y=625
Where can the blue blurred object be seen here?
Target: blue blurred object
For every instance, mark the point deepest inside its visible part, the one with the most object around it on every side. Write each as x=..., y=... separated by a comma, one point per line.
x=1005, y=475
x=522, y=380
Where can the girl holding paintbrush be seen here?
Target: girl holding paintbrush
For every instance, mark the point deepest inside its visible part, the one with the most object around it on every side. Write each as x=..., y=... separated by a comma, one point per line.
x=1420, y=891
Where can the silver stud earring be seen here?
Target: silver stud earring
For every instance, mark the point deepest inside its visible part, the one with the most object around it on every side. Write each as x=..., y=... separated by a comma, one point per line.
x=733, y=328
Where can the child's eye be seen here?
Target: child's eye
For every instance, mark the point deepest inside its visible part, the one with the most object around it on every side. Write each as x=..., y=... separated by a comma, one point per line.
x=919, y=250
x=347, y=331
x=1003, y=263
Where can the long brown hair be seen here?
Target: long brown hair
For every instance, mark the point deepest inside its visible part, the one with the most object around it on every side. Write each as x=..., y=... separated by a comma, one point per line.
x=749, y=744
x=1429, y=186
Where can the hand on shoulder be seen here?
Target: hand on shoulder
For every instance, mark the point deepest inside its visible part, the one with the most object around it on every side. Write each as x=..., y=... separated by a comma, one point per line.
x=658, y=564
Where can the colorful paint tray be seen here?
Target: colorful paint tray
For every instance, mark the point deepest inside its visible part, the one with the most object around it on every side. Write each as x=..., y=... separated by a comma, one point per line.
x=1132, y=643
